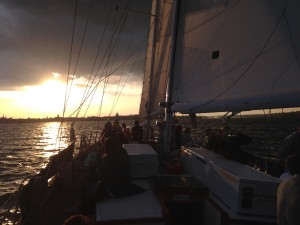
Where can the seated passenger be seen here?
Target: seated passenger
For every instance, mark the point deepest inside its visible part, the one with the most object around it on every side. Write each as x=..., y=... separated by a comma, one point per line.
x=114, y=176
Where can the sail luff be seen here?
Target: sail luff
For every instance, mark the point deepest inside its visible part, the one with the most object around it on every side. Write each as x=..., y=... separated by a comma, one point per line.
x=155, y=91
x=148, y=71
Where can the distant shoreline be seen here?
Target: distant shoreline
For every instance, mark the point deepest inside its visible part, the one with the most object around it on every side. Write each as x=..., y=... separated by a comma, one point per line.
x=69, y=119
x=287, y=115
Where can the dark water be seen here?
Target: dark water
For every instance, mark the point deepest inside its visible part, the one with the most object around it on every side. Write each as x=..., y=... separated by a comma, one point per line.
x=26, y=147
x=267, y=133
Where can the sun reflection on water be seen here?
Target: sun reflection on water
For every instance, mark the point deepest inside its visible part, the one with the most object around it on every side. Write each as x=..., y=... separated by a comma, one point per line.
x=54, y=138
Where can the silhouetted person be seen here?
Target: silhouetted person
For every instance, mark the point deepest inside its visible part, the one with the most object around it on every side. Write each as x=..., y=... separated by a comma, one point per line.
x=137, y=132
x=117, y=126
x=112, y=130
x=127, y=133
x=106, y=132
x=114, y=177
x=72, y=133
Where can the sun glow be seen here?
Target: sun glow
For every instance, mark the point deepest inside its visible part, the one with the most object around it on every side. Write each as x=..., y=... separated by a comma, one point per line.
x=44, y=98
x=48, y=99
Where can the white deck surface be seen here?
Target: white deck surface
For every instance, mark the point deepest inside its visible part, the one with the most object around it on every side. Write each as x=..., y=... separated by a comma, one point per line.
x=141, y=206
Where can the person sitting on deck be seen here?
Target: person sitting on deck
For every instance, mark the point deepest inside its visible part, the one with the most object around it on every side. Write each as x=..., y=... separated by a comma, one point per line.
x=119, y=131
x=108, y=131
x=113, y=177
x=105, y=132
x=117, y=126
x=127, y=133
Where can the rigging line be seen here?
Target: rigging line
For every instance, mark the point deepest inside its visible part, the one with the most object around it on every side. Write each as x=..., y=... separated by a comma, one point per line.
x=134, y=62
x=80, y=49
x=70, y=56
x=111, y=43
x=290, y=35
x=107, y=50
x=9, y=204
x=122, y=70
x=280, y=75
x=101, y=102
x=294, y=49
x=97, y=54
x=120, y=77
x=90, y=83
x=100, y=80
x=250, y=65
x=112, y=50
x=94, y=92
x=117, y=42
x=126, y=79
x=87, y=95
x=84, y=98
x=105, y=69
x=118, y=96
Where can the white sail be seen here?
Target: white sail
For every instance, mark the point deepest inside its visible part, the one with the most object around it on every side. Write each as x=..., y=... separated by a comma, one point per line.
x=158, y=58
x=237, y=55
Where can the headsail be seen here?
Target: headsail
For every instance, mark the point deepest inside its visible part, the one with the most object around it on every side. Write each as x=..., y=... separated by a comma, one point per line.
x=158, y=59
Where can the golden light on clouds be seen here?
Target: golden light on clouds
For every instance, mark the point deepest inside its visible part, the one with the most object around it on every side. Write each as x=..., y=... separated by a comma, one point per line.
x=48, y=99
x=56, y=75
x=44, y=98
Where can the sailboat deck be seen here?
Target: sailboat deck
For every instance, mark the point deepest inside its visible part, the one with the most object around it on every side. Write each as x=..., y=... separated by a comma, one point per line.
x=144, y=208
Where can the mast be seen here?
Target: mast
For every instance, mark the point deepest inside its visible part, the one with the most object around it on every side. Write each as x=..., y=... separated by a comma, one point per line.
x=168, y=112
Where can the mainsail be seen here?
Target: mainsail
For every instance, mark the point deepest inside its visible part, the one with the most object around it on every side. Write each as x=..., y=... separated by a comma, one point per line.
x=231, y=55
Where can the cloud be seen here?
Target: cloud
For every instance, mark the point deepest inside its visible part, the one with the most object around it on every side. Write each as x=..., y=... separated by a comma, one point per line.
x=35, y=39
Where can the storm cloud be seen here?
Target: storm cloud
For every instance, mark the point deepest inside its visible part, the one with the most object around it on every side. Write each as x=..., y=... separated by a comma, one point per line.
x=36, y=37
